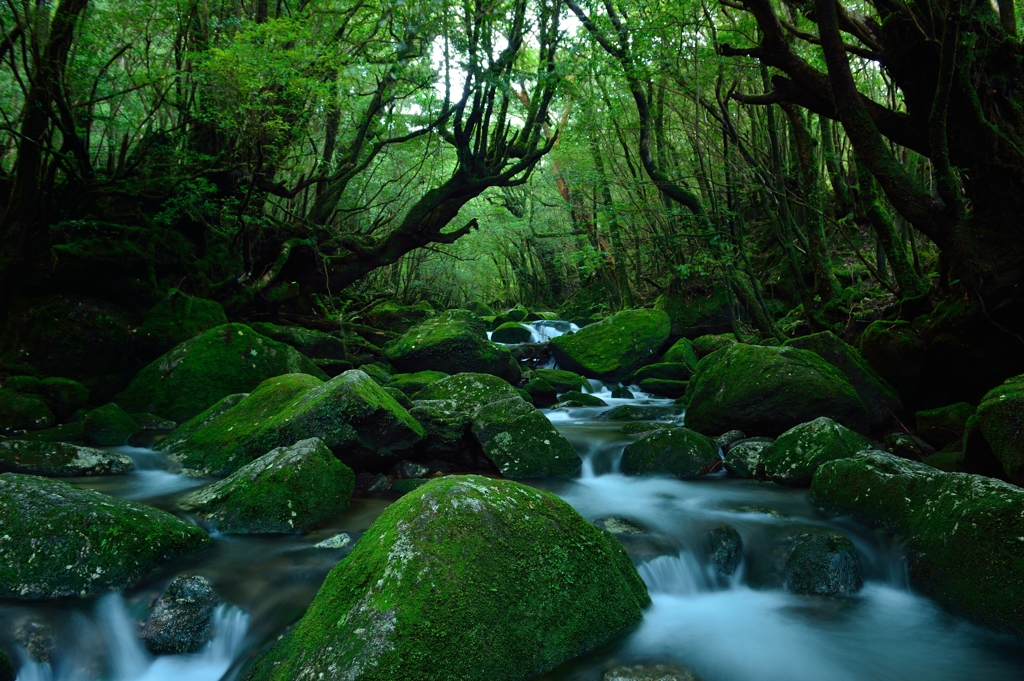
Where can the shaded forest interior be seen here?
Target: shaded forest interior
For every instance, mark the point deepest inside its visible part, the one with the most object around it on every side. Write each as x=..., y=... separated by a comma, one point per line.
x=756, y=168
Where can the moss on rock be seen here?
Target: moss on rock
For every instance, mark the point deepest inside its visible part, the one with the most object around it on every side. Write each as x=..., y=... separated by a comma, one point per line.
x=479, y=309
x=696, y=315
x=20, y=411
x=288, y=489
x=670, y=371
x=57, y=540
x=578, y=399
x=511, y=332
x=896, y=351
x=744, y=456
x=309, y=342
x=453, y=342
x=222, y=361
x=962, y=532
x=59, y=459
x=944, y=426
x=469, y=390
x=7, y=671
x=410, y=384
x=464, y=578
x=1000, y=421
x=562, y=380
x=682, y=352
x=705, y=345
x=176, y=319
x=664, y=387
x=766, y=390
x=614, y=347
x=542, y=393
x=394, y=316
x=679, y=452
x=64, y=395
x=108, y=425
x=522, y=442
x=794, y=457
x=349, y=411
x=880, y=398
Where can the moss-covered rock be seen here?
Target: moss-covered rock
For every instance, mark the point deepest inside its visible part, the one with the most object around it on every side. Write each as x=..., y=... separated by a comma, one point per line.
x=379, y=372
x=288, y=489
x=399, y=397
x=222, y=361
x=823, y=565
x=408, y=485
x=679, y=452
x=446, y=426
x=64, y=395
x=349, y=411
x=614, y=347
x=187, y=429
x=671, y=371
x=309, y=342
x=522, y=442
x=878, y=396
x=998, y=427
x=962, y=531
x=464, y=578
x=664, y=387
x=57, y=540
x=410, y=384
x=154, y=422
x=744, y=456
x=896, y=351
x=562, y=380
x=175, y=319
x=636, y=412
x=469, y=390
x=453, y=342
x=511, y=332
x=695, y=315
x=66, y=432
x=59, y=459
x=181, y=621
x=682, y=352
x=541, y=392
x=108, y=425
x=20, y=411
x=479, y=309
x=649, y=672
x=944, y=426
x=765, y=391
x=394, y=316
x=578, y=399
x=794, y=457
x=705, y=345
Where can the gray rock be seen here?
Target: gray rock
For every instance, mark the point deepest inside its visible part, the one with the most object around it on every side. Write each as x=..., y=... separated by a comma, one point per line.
x=744, y=456
x=37, y=639
x=617, y=525
x=726, y=439
x=823, y=564
x=654, y=672
x=338, y=541
x=725, y=549
x=60, y=459
x=411, y=469
x=182, y=619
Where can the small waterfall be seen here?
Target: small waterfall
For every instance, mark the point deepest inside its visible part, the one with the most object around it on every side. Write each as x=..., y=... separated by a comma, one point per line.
x=680, y=575
x=128, y=657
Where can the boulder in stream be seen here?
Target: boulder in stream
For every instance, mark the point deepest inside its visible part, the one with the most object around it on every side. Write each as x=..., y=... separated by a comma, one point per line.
x=410, y=384
x=60, y=459
x=794, y=457
x=194, y=375
x=823, y=565
x=725, y=550
x=181, y=621
x=309, y=342
x=616, y=346
x=744, y=456
x=522, y=442
x=464, y=578
x=574, y=398
x=109, y=425
x=561, y=380
x=511, y=332
x=682, y=352
x=288, y=489
x=679, y=452
x=962, y=532
x=57, y=540
x=944, y=426
x=765, y=391
x=452, y=342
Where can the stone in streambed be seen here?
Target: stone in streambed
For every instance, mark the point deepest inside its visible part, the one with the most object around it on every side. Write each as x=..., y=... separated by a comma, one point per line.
x=465, y=578
x=664, y=387
x=650, y=672
x=510, y=333
x=182, y=619
x=823, y=565
x=705, y=345
x=561, y=380
x=996, y=432
x=109, y=425
x=615, y=347
x=669, y=371
x=635, y=412
x=196, y=374
x=288, y=489
x=176, y=319
x=63, y=395
x=744, y=456
x=309, y=342
x=410, y=384
x=522, y=442
x=453, y=342
x=678, y=452
x=944, y=426
x=19, y=411
x=57, y=540
x=60, y=459
x=725, y=550
x=794, y=457
x=682, y=352
x=541, y=392
x=574, y=398
x=765, y=391
x=962, y=532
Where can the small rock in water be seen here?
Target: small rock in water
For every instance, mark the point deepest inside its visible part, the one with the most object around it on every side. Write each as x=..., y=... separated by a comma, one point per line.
x=377, y=483
x=338, y=541
x=182, y=619
x=37, y=639
x=744, y=456
x=108, y=425
x=617, y=525
x=728, y=438
x=622, y=393
x=823, y=564
x=411, y=469
x=725, y=548
x=654, y=672
x=60, y=459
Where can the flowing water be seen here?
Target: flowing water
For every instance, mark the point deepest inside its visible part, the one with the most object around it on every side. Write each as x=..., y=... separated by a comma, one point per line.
x=738, y=628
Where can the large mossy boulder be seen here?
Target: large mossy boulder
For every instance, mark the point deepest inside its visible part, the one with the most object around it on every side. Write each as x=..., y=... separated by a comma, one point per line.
x=522, y=442
x=511, y=332
x=452, y=342
x=398, y=318
x=880, y=398
x=288, y=489
x=309, y=342
x=108, y=426
x=695, y=314
x=349, y=412
x=682, y=351
x=794, y=457
x=60, y=459
x=21, y=411
x=57, y=540
x=175, y=319
x=464, y=578
x=469, y=390
x=765, y=391
x=679, y=452
x=997, y=429
x=897, y=352
x=962, y=532
x=668, y=371
x=227, y=359
x=615, y=347
x=562, y=380
x=410, y=384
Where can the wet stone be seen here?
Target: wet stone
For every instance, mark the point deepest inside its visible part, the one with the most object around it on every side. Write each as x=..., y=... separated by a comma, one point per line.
x=37, y=639
x=338, y=541
x=622, y=393
x=617, y=525
x=823, y=564
x=411, y=469
x=725, y=550
x=744, y=456
x=182, y=618
x=654, y=672
x=728, y=438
